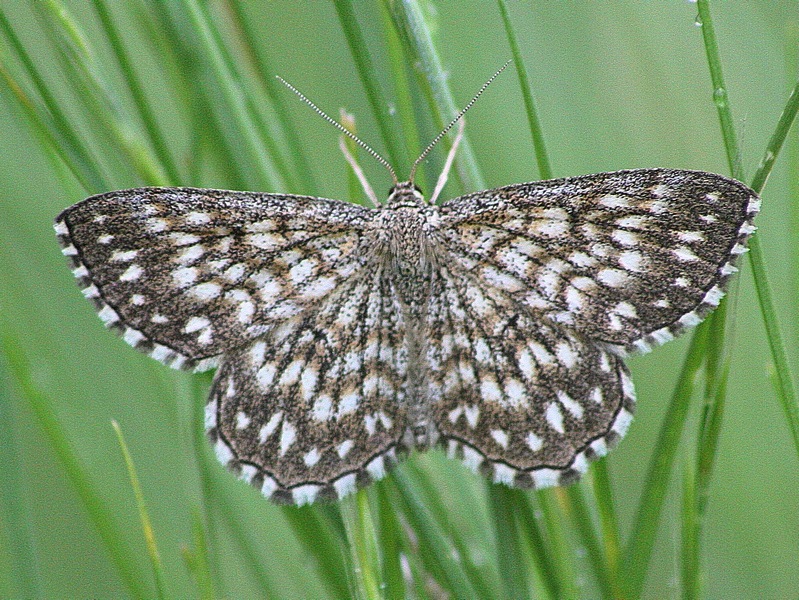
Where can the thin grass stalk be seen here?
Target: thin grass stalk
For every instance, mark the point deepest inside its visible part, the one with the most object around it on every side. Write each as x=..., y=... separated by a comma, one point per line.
x=537, y=133
x=392, y=544
x=696, y=485
x=552, y=512
x=364, y=546
x=208, y=128
x=510, y=555
x=581, y=519
x=227, y=79
x=51, y=119
x=397, y=156
x=189, y=414
x=144, y=515
x=196, y=559
x=527, y=522
x=131, y=155
x=785, y=388
x=639, y=548
x=321, y=529
x=439, y=554
x=690, y=531
x=429, y=494
x=411, y=22
x=608, y=520
x=255, y=96
x=398, y=62
x=276, y=93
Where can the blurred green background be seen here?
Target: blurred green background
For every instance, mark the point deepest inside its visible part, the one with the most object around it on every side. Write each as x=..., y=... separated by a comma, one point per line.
x=618, y=85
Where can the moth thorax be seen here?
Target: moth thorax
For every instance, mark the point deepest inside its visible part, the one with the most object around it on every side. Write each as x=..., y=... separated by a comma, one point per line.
x=405, y=194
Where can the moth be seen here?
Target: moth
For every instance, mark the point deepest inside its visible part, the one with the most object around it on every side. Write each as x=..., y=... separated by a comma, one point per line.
x=493, y=325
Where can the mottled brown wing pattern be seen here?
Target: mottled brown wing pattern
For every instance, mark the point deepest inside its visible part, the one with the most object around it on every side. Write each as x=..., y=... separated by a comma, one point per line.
x=317, y=406
x=525, y=402
x=629, y=259
x=186, y=274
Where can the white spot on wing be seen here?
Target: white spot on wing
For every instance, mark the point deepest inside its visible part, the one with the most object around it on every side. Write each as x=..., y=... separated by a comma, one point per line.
x=288, y=435
x=270, y=427
x=570, y=404
x=612, y=277
x=132, y=273
x=312, y=457
x=555, y=417
x=196, y=323
x=344, y=447
x=534, y=442
x=500, y=437
x=123, y=255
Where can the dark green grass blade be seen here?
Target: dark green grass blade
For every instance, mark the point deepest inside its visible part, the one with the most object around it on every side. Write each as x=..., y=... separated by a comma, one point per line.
x=111, y=533
x=639, y=548
x=143, y=104
x=537, y=133
x=397, y=156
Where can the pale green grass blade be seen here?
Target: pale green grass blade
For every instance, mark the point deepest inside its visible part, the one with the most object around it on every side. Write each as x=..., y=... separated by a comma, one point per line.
x=411, y=21
x=144, y=515
x=103, y=114
x=554, y=524
x=392, y=544
x=542, y=158
x=690, y=530
x=399, y=64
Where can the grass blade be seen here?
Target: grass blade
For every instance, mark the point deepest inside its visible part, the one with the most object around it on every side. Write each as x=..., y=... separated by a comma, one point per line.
x=364, y=549
x=512, y=566
x=639, y=548
x=50, y=118
x=144, y=516
x=410, y=20
x=786, y=390
x=542, y=158
x=233, y=91
x=131, y=78
x=397, y=156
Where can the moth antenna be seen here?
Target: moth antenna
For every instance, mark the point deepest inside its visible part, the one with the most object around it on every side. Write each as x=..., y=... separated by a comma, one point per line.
x=341, y=128
x=455, y=120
